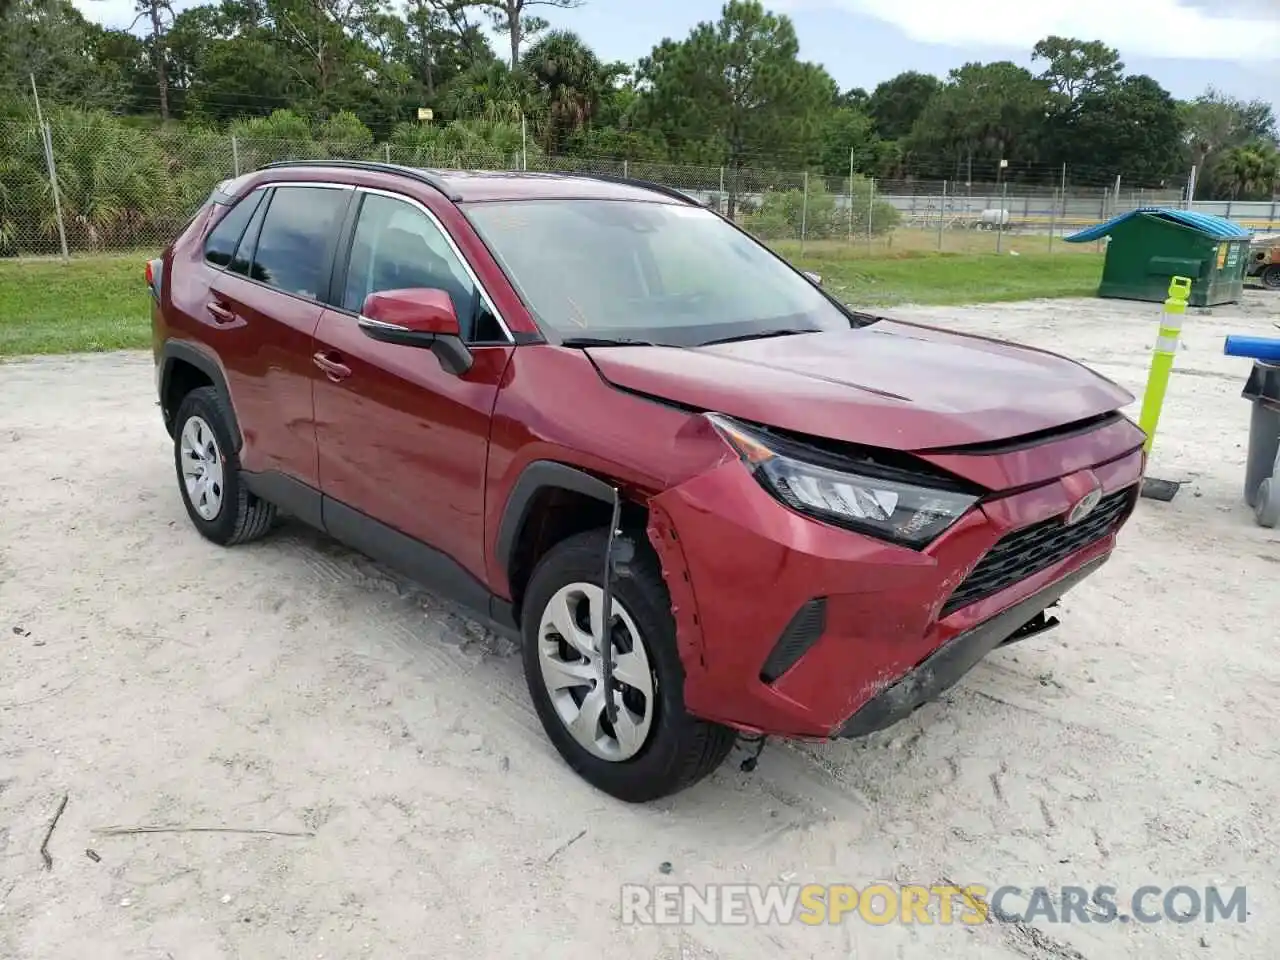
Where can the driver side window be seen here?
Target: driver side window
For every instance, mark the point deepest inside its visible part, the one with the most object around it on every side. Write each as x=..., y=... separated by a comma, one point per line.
x=396, y=247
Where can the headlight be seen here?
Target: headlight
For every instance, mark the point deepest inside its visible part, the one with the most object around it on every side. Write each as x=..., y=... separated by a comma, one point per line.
x=868, y=499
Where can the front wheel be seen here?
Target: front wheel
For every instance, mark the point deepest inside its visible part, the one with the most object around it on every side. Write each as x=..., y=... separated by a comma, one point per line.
x=1270, y=276
x=653, y=748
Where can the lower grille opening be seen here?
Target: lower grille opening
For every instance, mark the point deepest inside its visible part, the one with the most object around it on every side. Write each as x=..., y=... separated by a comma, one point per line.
x=1026, y=552
x=800, y=634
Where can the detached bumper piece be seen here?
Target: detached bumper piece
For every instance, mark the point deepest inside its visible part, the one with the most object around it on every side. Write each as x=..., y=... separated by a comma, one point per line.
x=945, y=666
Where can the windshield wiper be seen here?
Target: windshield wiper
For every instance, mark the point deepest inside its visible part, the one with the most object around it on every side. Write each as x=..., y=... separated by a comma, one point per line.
x=757, y=336
x=606, y=342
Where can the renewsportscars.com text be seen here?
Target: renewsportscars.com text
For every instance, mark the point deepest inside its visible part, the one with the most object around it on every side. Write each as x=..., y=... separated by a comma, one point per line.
x=882, y=903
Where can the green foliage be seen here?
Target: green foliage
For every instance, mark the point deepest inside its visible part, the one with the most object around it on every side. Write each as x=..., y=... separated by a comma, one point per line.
x=896, y=104
x=815, y=212
x=52, y=41
x=1077, y=68
x=570, y=80
x=478, y=143
x=736, y=90
x=1130, y=126
x=849, y=140
x=985, y=113
x=1217, y=128
x=1249, y=172
x=112, y=181
x=292, y=79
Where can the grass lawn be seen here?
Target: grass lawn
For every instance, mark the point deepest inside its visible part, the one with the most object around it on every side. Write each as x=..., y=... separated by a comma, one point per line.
x=89, y=304
x=100, y=303
x=944, y=279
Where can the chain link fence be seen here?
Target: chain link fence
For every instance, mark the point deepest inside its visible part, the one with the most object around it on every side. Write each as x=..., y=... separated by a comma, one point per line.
x=91, y=187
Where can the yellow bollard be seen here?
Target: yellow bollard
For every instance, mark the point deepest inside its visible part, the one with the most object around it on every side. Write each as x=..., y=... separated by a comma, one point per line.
x=1162, y=358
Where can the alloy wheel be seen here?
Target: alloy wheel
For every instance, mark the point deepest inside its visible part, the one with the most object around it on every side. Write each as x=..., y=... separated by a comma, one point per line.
x=569, y=646
x=201, y=468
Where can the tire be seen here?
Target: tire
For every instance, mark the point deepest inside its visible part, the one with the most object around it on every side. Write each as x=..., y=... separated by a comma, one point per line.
x=1270, y=276
x=1266, y=510
x=203, y=422
x=675, y=750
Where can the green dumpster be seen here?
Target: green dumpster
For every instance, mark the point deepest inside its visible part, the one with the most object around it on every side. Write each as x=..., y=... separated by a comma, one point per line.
x=1149, y=245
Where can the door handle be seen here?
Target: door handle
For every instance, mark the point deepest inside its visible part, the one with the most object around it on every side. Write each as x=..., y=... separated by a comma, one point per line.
x=334, y=370
x=220, y=313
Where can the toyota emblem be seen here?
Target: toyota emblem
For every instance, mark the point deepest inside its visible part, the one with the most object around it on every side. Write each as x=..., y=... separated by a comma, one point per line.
x=1084, y=506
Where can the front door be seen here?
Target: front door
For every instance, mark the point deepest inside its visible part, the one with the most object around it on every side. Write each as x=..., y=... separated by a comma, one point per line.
x=401, y=440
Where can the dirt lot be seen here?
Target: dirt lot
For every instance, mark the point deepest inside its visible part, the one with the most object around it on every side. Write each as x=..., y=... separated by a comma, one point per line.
x=293, y=686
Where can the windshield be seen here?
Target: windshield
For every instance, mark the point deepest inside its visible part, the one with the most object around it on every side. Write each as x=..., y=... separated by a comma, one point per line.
x=639, y=271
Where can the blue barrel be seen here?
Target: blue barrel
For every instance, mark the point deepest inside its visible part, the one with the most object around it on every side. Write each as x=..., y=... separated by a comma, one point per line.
x=1266, y=349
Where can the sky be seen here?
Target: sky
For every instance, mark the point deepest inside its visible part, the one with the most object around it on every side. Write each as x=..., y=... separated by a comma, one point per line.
x=1187, y=45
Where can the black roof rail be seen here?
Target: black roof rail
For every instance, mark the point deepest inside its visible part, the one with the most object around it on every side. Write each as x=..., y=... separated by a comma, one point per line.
x=422, y=176
x=661, y=188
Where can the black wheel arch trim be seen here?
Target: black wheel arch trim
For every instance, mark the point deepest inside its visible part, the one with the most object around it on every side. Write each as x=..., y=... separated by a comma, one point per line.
x=536, y=477
x=175, y=350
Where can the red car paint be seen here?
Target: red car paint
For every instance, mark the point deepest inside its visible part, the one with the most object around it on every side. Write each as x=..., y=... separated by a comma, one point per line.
x=387, y=432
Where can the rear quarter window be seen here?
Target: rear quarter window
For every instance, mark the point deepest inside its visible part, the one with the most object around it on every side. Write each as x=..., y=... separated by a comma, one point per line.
x=220, y=247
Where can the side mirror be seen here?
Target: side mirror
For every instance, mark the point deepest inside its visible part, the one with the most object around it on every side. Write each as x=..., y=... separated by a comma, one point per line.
x=417, y=317
x=816, y=278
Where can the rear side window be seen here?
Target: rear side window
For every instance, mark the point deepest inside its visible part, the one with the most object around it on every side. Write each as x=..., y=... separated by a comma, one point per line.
x=222, y=242
x=296, y=238
x=241, y=262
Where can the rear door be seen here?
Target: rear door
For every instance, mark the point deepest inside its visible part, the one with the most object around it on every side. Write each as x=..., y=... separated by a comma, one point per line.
x=264, y=305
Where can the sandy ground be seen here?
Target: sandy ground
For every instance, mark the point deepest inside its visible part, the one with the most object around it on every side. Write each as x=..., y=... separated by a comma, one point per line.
x=293, y=686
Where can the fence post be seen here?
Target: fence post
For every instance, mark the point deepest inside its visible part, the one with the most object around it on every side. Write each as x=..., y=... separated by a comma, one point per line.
x=386, y=150
x=851, y=195
x=804, y=212
x=1053, y=217
x=1004, y=198
x=626, y=169
x=46, y=137
x=1271, y=221
x=942, y=215
x=1102, y=215
x=871, y=210
x=235, y=157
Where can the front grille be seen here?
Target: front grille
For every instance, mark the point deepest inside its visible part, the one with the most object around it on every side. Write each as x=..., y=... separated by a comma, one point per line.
x=1026, y=552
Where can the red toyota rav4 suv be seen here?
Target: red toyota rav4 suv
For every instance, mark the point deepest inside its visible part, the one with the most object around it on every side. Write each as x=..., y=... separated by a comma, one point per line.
x=548, y=396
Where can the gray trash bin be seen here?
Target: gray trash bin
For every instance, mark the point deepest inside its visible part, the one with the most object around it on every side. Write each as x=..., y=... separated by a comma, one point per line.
x=1262, y=462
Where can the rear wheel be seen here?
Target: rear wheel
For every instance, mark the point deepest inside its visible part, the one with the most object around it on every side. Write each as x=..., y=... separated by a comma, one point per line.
x=654, y=747
x=1270, y=276
x=217, y=501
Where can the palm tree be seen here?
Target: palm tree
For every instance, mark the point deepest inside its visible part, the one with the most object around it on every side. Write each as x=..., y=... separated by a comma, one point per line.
x=1251, y=170
x=488, y=90
x=570, y=79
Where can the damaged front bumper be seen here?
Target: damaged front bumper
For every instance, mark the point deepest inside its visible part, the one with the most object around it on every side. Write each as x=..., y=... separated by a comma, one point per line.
x=790, y=627
x=945, y=666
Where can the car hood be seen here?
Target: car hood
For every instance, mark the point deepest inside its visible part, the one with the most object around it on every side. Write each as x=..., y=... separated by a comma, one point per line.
x=889, y=384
